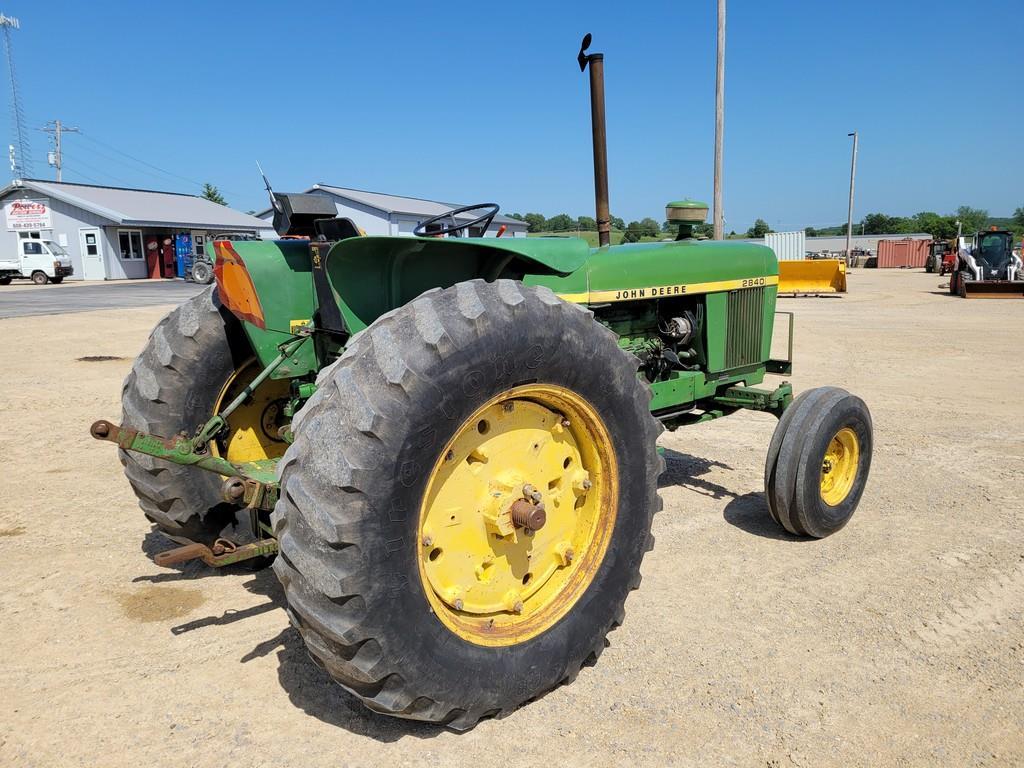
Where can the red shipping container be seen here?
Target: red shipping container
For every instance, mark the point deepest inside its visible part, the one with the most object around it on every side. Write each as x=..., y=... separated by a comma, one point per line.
x=902, y=253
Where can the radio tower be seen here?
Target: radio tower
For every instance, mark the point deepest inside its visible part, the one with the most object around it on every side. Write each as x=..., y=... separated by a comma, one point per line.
x=21, y=162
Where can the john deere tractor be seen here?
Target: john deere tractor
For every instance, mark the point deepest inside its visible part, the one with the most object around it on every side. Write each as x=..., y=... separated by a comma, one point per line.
x=449, y=442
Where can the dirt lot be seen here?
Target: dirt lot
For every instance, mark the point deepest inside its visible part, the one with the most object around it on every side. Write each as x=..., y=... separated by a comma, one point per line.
x=899, y=641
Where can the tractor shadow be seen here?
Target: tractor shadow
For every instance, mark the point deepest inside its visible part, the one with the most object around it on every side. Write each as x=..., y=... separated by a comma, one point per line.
x=311, y=689
x=308, y=686
x=748, y=512
x=684, y=470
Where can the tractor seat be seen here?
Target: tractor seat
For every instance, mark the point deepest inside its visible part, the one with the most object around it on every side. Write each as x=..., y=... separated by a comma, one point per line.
x=340, y=228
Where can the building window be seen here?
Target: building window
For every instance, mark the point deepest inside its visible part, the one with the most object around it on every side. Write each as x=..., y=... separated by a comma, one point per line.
x=199, y=245
x=29, y=235
x=131, y=243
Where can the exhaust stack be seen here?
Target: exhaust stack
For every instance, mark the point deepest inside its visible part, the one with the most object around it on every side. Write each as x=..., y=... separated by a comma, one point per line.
x=596, y=61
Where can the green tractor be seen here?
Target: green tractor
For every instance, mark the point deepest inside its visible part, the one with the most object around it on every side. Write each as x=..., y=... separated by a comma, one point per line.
x=449, y=442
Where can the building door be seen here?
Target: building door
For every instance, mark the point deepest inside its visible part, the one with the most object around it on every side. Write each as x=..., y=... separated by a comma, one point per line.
x=91, y=242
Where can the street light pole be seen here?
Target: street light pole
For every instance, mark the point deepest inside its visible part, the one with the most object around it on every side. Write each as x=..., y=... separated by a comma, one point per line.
x=719, y=219
x=849, y=211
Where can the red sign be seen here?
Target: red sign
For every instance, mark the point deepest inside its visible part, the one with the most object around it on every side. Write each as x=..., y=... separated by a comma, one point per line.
x=28, y=215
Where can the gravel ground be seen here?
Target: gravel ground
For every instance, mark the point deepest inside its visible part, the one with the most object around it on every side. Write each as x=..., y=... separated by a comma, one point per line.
x=898, y=641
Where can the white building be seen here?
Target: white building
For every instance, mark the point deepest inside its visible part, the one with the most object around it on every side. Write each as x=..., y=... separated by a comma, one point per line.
x=377, y=213
x=114, y=233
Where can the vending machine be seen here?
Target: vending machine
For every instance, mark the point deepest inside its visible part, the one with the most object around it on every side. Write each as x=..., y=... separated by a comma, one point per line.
x=183, y=253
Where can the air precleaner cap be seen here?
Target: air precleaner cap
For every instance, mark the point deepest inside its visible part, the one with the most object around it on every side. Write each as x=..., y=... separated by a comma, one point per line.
x=687, y=211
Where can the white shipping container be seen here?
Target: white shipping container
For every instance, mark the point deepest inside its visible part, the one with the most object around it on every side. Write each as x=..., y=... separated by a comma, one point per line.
x=788, y=246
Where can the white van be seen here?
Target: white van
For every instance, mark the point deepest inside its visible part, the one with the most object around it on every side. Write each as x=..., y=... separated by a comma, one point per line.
x=41, y=261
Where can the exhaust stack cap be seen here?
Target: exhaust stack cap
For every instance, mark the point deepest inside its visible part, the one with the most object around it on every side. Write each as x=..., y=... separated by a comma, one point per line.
x=687, y=211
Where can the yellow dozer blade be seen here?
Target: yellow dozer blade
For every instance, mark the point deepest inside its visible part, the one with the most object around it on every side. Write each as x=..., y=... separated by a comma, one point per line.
x=812, y=276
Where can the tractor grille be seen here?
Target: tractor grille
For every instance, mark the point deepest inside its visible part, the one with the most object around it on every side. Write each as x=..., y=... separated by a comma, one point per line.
x=744, y=331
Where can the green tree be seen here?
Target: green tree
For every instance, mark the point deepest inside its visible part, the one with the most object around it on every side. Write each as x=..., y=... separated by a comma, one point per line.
x=972, y=219
x=587, y=223
x=516, y=216
x=760, y=229
x=213, y=194
x=882, y=224
x=810, y=232
x=650, y=227
x=939, y=227
x=1018, y=218
x=633, y=232
x=704, y=229
x=618, y=223
x=561, y=222
x=536, y=221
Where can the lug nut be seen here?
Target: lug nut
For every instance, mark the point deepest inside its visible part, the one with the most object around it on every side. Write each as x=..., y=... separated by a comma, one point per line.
x=518, y=607
x=529, y=516
x=428, y=541
x=586, y=485
x=458, y=604
x=536, y=497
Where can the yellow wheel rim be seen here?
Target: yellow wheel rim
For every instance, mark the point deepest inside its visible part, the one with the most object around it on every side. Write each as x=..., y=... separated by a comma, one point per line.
x=254, y=424
x=839, y=467
x=490, y=580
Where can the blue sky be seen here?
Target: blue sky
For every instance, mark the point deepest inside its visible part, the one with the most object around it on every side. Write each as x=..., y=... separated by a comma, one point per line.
x=469, y=102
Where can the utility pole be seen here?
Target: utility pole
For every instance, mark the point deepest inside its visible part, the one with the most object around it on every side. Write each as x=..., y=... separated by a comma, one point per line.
x=849, y=211
x=719, y=221
x=56, y=128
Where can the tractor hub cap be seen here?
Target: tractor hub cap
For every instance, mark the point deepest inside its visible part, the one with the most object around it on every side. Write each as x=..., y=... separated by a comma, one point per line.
x=839, y=467
x=517, y=515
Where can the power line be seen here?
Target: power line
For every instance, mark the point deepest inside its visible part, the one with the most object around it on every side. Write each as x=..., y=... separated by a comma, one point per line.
x=142, y=162
x=79, y=161
x=84, y=176
x=112, y=148
x=108, y=157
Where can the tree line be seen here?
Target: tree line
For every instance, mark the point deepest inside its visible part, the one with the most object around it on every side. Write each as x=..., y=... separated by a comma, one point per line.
x=633, y=232
x=939, y=226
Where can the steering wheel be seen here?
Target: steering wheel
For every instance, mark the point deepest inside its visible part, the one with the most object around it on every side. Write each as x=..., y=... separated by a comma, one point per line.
x=446, y=229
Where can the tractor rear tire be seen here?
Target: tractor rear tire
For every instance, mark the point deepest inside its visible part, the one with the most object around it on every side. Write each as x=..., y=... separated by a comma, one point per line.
x=357, y=492
x=173, y=386
x=818, y=462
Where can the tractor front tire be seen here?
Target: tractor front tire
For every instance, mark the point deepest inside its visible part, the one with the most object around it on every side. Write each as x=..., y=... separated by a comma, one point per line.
x=401, y=575
x=173, y=386
x=818, y=462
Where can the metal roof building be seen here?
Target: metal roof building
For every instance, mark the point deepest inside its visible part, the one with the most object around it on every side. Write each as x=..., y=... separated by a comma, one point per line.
x=114, y=233
x=377, y=213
